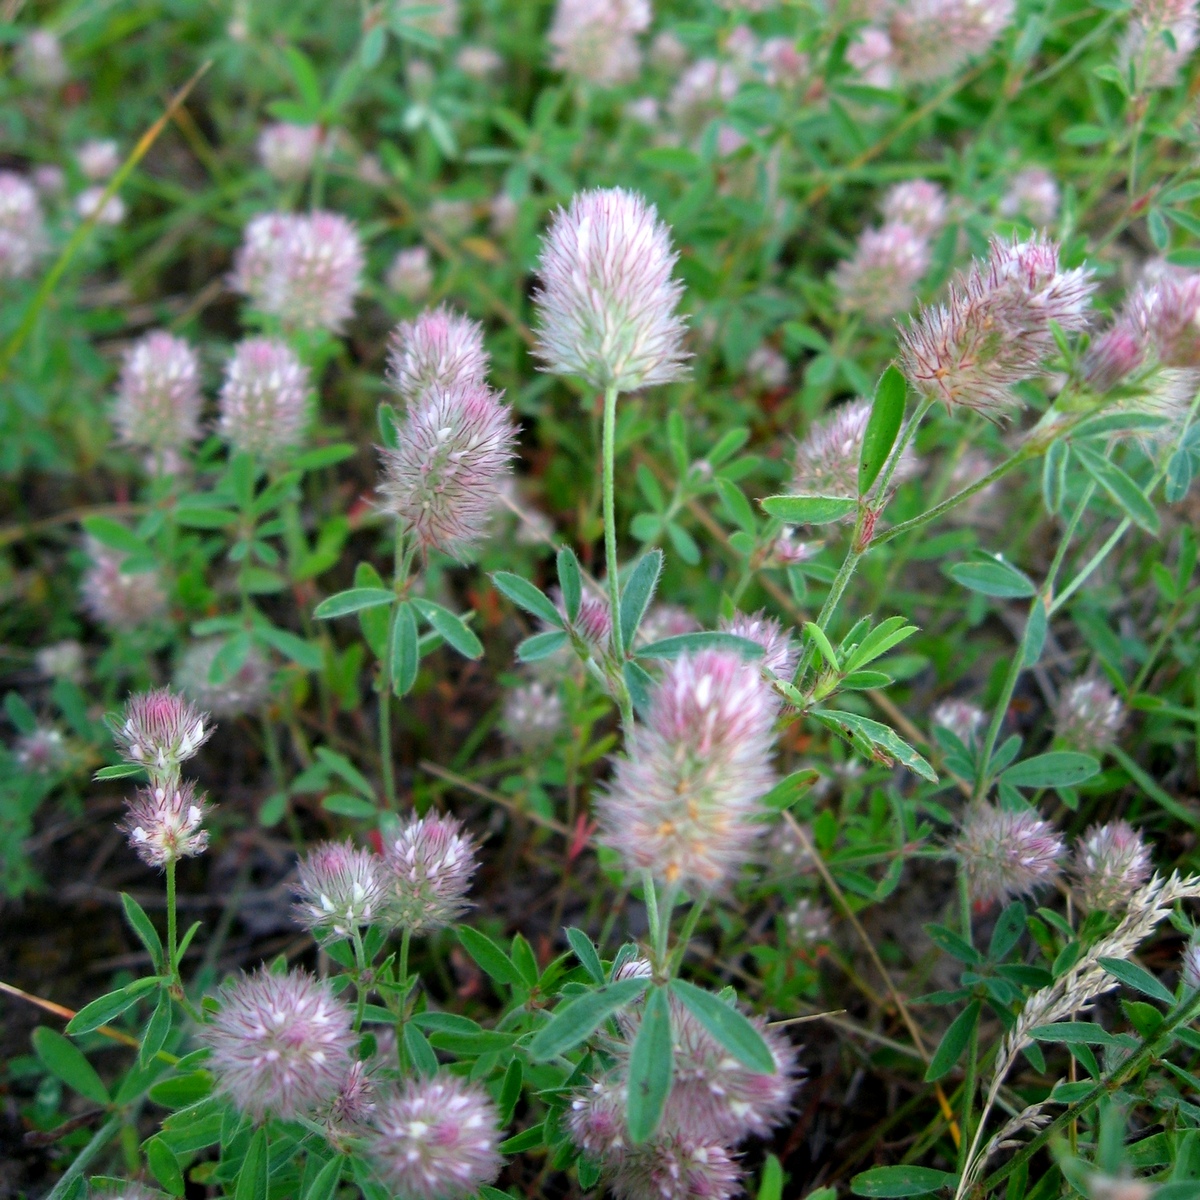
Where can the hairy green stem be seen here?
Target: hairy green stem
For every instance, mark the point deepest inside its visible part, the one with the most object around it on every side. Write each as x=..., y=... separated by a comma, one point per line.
x=172, y=965
x=401, y=1020
x=608, y=455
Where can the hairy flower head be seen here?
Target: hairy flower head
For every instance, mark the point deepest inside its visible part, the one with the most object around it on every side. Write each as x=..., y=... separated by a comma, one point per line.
x=595, y=40
x=244, y=691
x=339, y=888
x=264, y=399
x=159, y=730
x=164, y=821
x=780, y=653
x=22, y=234
x=410, y=274
x=1109, y=864
x=934, y=38
x=533, y=716
x=961, y=717
x=1007, y=854
x=1089, y=715
x=917, y=203
x=436, y=1139
x=281, y=1044
x=826, y=461
x=607, y=301
x=428, y=869
x=439, y=349
x=39, y=59
x=288, y=151
x=158, y=394
x=118, y=598
x=880, y=277
x=1032, y=194
x=98, y=159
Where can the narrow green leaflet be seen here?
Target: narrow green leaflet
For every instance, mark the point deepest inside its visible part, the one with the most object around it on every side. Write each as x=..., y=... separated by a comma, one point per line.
x=65, y=1060
x=993, y=577
x=108, y=1006
x=112, y=533
x=650, y=1067
x=406, y=653
x=690, y=643
x=157, y=1029
x=574, y=1021
x=639, y=590
x=419, y=1050
x=901, y=1181
x=770, y=1187
x=119, y=771
x=141, y=924
x=1137, y=978
x=353, y=600
x=1059, y=768
x=1120, y=487
x=341, y=766
x=808, y=510
x=488, y=955
x=586, y=953
x=324, y=1186
x=884, y=637
x=524, y=595
x=727, y=1026
x=570, y=579
x=541, y=645
x=954, y=1042
x=252, y=1179
x=880, y=736
x=883, y=425
x=453, y=629
x=822, y=643
x=164, y=1166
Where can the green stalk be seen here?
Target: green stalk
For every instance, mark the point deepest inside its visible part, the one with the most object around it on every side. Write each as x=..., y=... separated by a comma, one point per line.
x=103, y=1135
x=360, y=959
x=405, y=941
x=172, y=965
x=608, y=455
x=651, y=898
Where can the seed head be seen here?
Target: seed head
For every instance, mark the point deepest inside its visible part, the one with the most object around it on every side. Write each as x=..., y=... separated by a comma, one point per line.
x=158, y=394
x=919, y=204
x=827, y=459
x=594, y=40
x=281, y=1044
x=870, y=54
x=453, y=452
x=159, y=730
x=1109, y=864
x=995, y=330
x=683, y=803
x=436, y=1139
x=410, y=274
x=440, y=349
x=40, y=61
x=1032, y=194
x=98, y=159
x=91, y=203
x=243, y=692
x=164, y=821
x=934, y=38
x=339, y=887
x=606, y=306
x=289, y=151
x=780, y=654
x=22, y=234
x=119, y=599
x=1089, y=715
x=1007, y=854
x=533, y=716
x=1190, y=963
x=428, y=871
x=264, y=399
x=961, y=717
x=880, y=278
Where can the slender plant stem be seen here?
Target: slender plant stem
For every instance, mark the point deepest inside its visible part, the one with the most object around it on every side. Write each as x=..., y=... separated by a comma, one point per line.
x=652, y=915
x=685, y=935
x=608, y=453
x=360, y=959
x=172, y=965
x=100, y=1138
x=401, y=1020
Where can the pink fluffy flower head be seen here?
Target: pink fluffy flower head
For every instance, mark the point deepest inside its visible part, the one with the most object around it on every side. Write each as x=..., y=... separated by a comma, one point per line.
x=1032, y=194
x=443, y=478
x=164, y=822
x=338, y=889
x=934, y=38
x=428, y=869
x=1170, y=311
x=780, y=653
x=22, y=234
x=1007, y=854
x=159, y=730
x=158, y=394
x=594, y=40
x=436, y=1139
x=118, y=598
x=995, y=329
x=673, y=1167
x=1089, y=715
x=410, y=274
x=1109, y=864
x=533, y=716
x=98, y=159
x=244, y=691
x=870, y=54
x=1157, y=62
x=917, y=203
x=827, y=459
x=281, y=1044
x=880, y=277
x=264, y=399
x=439, y=349
x=304, y=269
x=961, y=717
x=683, y=803
x=289, y=151
x=40, y=60
x=607, y=301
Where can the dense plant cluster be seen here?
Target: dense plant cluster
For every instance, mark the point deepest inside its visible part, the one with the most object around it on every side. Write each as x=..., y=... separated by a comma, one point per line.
x=635, y=565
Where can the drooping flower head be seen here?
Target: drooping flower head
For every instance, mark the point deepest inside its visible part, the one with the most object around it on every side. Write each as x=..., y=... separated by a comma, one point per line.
x=961, y=717
x=436, y=1139
x=933, y=38
x=289, y=151
x=880, y=277
x=410, y=274
x=264, y=399
x=118, y=598
x=917, y=203
x=439, y=349
x=533, y=716
x=158, y=394
x=1007, y=854
x=1089, y=715
x=22, y=234
x=428, y=871
x=1032, y=194
x=827, y=459
x=683, y=802
x=281, y=1044
x=159, y=730
x=780, y=653
x=453, y=452
x=607, y=301
x=594, y=40
x=164, y=822
x=244, y=691
x=1109, y=864
x=995, y=329
x=339, y=888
